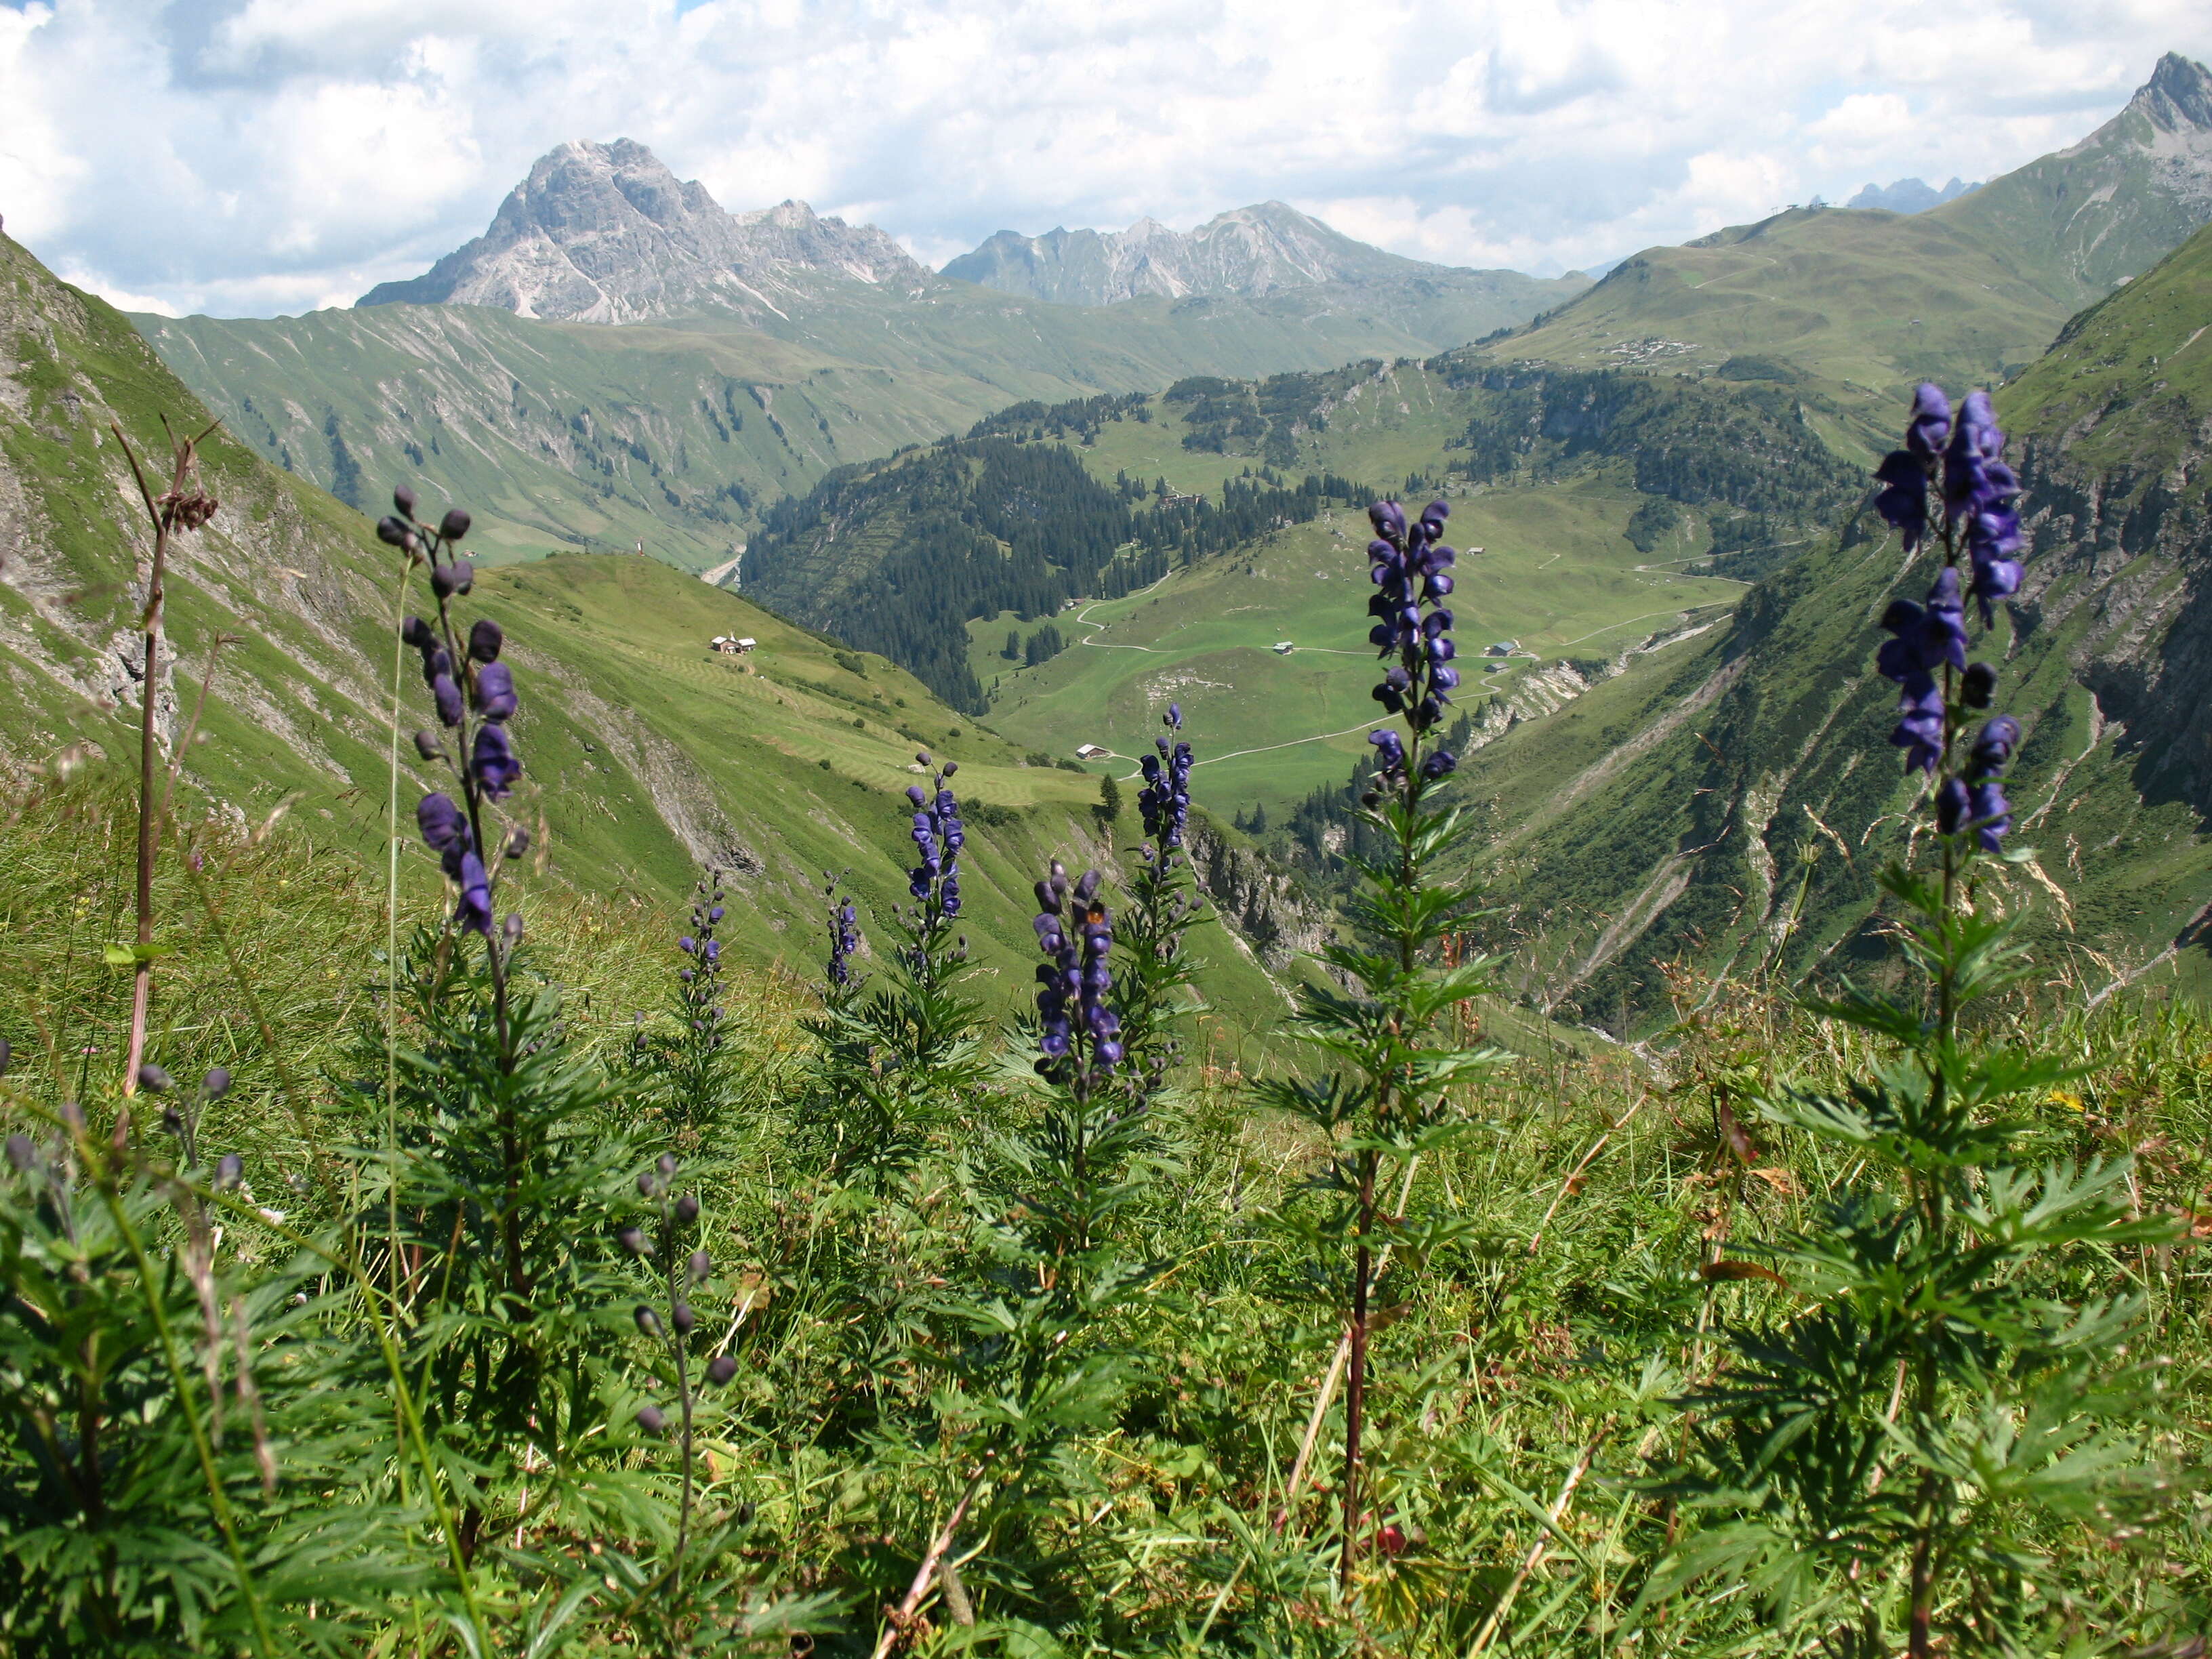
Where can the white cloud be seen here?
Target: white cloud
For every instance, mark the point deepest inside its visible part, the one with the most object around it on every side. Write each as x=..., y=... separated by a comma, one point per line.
x=263, y=154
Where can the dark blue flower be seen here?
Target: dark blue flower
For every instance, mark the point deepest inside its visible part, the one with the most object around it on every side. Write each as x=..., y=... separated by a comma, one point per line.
x=493, y=764
x=1903, y=497
x=475, y=911
x=1390, y=751
x=485, y=640
x=1411, y=568
x=495, y=692
x=1991, y=813
x=1930, y=423
x=445, y=830
x=1164, y=801
x=1920, y=722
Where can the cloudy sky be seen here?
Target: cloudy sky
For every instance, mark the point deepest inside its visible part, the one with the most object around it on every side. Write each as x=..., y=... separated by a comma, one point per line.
x=247, y=157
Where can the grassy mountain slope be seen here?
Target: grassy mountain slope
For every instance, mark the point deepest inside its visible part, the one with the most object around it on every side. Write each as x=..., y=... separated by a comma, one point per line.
x=1860, y=304
x=1597, y=498
x=647, y=756
x=1688, y=837
x=678, y=434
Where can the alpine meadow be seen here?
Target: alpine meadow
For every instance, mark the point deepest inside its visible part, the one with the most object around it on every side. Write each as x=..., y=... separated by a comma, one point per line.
x=1159, y=942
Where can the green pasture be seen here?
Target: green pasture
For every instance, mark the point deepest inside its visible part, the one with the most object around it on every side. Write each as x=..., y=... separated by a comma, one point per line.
x=1556, y=576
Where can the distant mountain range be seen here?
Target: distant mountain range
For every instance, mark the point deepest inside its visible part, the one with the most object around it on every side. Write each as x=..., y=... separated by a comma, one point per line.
x=606, y=234
x=1248, y=251
x=1909, y=195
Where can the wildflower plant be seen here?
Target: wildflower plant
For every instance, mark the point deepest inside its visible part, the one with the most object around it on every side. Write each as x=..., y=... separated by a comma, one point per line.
x=697, y=1067
x=1164, y=905
x=898, y=1062
x=1927, y=1389
x=1384, y=1027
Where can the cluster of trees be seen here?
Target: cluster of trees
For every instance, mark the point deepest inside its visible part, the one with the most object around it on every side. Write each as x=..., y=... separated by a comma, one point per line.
x=1745, y=452
x=976, y=527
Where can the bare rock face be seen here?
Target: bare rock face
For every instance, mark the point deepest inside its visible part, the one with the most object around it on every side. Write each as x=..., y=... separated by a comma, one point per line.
x=606, y=234
x=1248, y=251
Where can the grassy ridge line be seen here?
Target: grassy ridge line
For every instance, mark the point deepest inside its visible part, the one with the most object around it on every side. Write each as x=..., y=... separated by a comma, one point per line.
x=691, y=761
x=1773, y=742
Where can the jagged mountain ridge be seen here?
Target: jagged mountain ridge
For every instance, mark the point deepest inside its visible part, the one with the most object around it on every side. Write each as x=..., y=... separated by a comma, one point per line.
x=1250, y=251
x=607, y=233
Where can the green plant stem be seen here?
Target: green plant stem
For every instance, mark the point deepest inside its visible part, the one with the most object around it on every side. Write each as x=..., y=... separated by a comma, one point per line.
x=218, y=1500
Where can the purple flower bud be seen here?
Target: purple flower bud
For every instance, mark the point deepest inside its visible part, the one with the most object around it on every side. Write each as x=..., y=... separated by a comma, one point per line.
x=454, y=525
x=917, y=794
x=517, y=841
x=667, y=1164
x=448, y=696
x=404, y=499
x=1991, y=813
x=1930, y=425
x=429, y=747
x=647, y=1321
x=485, y=640
x=1979, y=687
x=392, y=532
x=687, y=1209
x=652, y=1419
x=21, y=1153
x=215, y=1085
x=457, y=577
x=701, y=1266
x=155, y=1080
x=415, y=634
x=683, y=1317
x=721, y=1369
x=229, y=1170
x=645, y=1181
x=634, y=1241
x=512, y=928
x=496, y=692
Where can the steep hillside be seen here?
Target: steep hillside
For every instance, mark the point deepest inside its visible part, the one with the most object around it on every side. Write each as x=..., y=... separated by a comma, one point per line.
x=647, y=755
x=1868, y=303
x=1686, y=832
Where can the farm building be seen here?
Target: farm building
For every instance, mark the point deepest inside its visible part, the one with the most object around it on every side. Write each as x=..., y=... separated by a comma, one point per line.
x=1284, y=648
x=730, y=645
x=1091, y=751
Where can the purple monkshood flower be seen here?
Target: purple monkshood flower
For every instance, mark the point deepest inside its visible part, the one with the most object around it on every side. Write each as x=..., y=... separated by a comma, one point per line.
x=1991, y=813
x=475, y=911
x=1411, y=568
x=938, y=836
x=1164, y=801
x=485, y=640
x=1904, y=498
x=1930, y=425
x=445, y=830
x=495, y=692
x=1920, y=723
x=493, y=764
x=1076, y=932
x=1390, y=751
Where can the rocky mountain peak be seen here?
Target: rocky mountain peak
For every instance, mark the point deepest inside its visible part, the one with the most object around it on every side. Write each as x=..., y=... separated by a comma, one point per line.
x=606, y=233
x=2178, y=96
